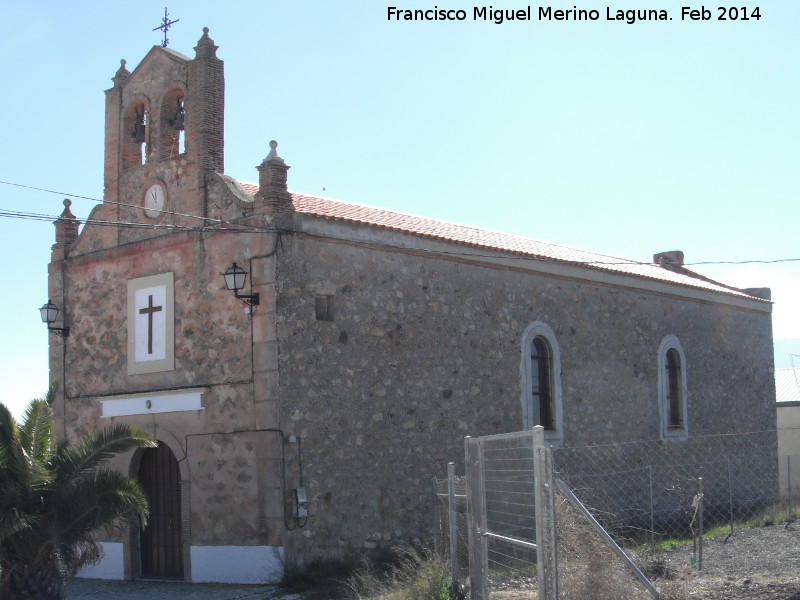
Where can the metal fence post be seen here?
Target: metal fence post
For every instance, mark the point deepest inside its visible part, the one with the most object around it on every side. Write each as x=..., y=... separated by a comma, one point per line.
x=789, y=486
x=552, y=530
x=652, y=512
x=451, y=516
x=476, y=520
x=545, y=527
x=730, y=494
x=700, y=522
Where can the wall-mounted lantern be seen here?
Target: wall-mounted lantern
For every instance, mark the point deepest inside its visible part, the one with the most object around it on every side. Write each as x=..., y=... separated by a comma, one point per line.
x=49, y=313
x=234, y=280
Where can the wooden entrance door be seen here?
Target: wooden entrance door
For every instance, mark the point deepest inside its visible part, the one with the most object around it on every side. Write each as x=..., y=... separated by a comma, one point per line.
x=160, y=544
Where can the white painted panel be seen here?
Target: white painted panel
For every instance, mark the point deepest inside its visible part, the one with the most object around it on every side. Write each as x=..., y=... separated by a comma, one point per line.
x=144, y=404
x=111, y=566
x=237, y=564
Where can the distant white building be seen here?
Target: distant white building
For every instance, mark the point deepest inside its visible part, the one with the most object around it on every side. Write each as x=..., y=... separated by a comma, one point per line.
x=787, y=393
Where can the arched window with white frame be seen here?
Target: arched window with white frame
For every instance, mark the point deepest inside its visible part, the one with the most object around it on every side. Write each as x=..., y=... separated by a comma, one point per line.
x=672, y=389
x=540, y=370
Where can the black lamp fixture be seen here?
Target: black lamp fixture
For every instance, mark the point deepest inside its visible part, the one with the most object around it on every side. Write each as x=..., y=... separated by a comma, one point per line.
x=234, y=280
x=49, y=314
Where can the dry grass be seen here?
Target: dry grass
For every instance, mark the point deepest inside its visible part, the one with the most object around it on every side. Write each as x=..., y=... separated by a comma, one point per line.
x=415, y=575
x=589, y=569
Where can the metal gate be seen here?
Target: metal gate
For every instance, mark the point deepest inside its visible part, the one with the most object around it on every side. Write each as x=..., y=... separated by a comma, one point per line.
x=511, y=513
x=160, y=543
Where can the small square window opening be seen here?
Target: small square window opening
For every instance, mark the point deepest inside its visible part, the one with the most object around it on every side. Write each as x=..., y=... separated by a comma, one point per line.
x=324, y=308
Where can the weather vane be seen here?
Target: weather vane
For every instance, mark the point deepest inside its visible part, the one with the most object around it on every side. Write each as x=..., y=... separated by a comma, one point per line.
x=165, y=24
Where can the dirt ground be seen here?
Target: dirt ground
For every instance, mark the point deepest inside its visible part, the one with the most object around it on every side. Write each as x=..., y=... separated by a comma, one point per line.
x=758, y=564
x=750, y=564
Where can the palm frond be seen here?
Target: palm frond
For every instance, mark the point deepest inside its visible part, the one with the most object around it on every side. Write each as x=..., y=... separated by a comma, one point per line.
x=95, y=501
x=75, y=557
x=13, y=521
x=50, y=394
x=9, y=432
x=36, y=432
x=74, y=461
x=52, y=497
x=20, y=478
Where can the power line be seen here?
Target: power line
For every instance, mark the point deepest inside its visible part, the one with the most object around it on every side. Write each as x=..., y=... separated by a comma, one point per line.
x=234, y=227
x=166, y=212
x=744, y=262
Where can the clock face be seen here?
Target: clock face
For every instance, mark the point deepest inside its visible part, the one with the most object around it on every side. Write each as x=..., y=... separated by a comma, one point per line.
x=154, y=201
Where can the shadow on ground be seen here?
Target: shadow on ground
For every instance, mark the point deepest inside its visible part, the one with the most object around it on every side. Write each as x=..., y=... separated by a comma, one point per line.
x=101, y=589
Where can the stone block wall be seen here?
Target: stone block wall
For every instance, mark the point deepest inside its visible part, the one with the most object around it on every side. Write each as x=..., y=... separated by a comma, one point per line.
x=421, y=350
x=228, y=452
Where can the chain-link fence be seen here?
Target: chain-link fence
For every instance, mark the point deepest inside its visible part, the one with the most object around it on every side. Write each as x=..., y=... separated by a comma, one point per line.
x=648, y=492
x=641, y=496
x=789, y=477
x=590, y=563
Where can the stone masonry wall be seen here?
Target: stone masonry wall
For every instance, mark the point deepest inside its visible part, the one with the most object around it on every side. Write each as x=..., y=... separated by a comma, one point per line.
x=422, y=351
x=227, y=454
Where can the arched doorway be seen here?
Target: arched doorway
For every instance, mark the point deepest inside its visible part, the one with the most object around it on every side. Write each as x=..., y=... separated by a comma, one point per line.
x=160, y=542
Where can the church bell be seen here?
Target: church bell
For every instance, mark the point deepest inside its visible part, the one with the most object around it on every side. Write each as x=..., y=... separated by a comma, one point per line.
x=177, y=124
x=138, y=133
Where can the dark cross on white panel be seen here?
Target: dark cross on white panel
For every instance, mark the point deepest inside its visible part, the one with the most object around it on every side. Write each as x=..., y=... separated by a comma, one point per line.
x=149, y=310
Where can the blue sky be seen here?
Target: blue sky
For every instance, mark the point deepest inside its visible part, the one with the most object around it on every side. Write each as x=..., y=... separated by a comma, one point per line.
x=628, y=139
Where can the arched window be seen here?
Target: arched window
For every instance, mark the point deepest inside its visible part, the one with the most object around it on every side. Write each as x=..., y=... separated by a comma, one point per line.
x=540, y=370
x=672, y=389
x=542, y=380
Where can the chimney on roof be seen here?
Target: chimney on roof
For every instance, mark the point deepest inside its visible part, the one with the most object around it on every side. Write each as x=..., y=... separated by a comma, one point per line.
x=272, y=177
x=764, y=293
x=673, y=258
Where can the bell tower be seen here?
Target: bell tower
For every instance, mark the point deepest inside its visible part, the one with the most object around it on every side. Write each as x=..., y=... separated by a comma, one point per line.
x=164, y=138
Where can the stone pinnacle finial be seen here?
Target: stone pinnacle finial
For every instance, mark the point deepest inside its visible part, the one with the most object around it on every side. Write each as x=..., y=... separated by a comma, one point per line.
x=272, y=180
x=66, y=225
x=122, y=73
x=205, y=46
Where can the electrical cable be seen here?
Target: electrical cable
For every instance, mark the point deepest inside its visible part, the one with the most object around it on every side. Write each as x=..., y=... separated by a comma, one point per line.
x=167, y=212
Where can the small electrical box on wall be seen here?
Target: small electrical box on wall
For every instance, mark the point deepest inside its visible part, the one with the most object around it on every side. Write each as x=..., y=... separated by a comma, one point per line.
x=302, y=501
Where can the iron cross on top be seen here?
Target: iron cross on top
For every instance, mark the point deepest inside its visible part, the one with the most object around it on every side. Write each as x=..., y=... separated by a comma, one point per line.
x=165, y=25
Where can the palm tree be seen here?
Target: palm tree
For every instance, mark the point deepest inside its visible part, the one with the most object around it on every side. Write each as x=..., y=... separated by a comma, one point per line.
x=54, y=495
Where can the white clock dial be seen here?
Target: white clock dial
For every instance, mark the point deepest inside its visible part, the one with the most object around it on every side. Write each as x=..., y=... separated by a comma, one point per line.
x=154, y=201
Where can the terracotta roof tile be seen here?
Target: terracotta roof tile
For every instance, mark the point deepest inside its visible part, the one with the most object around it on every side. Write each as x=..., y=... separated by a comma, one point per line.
x=476, y=237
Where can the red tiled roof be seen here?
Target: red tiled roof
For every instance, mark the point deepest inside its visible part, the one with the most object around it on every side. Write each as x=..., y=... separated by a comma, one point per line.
x=338, y=210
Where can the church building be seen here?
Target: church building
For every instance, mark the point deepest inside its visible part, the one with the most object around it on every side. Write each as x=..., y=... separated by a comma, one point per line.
x=309, y=365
